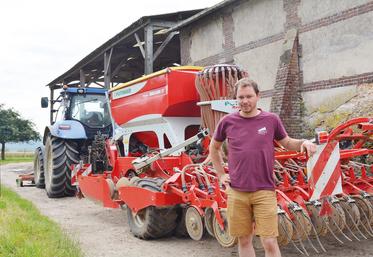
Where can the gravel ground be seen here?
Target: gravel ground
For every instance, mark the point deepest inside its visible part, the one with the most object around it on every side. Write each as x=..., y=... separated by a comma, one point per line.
x=104, y=232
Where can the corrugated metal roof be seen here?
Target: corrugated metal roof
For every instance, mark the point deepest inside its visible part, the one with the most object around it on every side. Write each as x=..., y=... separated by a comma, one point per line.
x=92, y=64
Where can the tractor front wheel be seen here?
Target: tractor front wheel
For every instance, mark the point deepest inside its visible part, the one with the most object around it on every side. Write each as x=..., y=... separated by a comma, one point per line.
x=60, y=154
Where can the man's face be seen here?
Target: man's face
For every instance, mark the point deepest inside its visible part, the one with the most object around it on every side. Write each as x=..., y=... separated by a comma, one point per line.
x=247, y=99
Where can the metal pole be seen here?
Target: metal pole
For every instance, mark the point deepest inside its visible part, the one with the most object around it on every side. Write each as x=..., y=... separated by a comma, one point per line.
x=148, y=34
x=51, y=104
x=82, y=78
x=107, y=68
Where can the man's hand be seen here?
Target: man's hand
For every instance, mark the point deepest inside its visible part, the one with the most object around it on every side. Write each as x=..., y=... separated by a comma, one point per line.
x=225, y=179
x=309, y=147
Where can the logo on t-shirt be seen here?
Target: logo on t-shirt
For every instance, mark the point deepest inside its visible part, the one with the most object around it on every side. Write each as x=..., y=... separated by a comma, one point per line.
x=262, y=131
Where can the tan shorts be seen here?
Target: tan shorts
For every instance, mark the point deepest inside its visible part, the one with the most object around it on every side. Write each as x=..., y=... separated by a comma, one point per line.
x=244, y=208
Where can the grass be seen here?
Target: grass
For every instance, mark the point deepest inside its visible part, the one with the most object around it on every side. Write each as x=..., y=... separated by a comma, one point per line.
x=15, y=157
x=25, y=232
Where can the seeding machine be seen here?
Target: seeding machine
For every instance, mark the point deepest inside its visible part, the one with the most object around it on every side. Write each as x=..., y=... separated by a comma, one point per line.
x=156, y=166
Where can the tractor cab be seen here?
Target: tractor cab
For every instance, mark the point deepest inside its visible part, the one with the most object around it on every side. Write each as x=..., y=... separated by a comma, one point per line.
x=81, y=113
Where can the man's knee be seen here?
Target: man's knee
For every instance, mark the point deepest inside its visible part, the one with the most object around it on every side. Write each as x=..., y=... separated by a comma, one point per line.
x=245, y=241
x=270, y=244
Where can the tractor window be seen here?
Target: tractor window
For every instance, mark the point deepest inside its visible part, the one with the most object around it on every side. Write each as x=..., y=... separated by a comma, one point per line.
x=90, y=110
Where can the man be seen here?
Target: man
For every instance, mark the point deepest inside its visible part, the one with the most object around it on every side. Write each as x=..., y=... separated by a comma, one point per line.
x=251, y=196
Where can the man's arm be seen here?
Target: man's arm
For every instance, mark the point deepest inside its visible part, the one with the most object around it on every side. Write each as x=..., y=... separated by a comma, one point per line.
x=216, y=159
x=298, y=145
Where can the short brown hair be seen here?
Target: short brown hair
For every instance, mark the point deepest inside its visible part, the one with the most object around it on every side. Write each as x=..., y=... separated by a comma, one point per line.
x=246, y=82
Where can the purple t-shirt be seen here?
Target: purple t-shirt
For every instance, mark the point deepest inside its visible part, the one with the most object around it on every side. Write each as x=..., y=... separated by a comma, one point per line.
x=250, y=149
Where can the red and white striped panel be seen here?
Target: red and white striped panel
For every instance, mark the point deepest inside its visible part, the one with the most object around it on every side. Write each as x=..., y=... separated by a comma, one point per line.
x=324, y=171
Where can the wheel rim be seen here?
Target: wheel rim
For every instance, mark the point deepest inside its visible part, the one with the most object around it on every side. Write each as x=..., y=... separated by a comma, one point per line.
x=194, y=224
x=139, y=218
x=222, y=235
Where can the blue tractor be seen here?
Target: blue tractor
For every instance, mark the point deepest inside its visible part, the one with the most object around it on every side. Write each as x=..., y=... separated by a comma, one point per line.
x=80, y=123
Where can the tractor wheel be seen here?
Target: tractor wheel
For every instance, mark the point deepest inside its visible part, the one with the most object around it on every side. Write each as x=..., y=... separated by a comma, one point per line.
x=39, y=167
x=59, y=156
x=152, y=222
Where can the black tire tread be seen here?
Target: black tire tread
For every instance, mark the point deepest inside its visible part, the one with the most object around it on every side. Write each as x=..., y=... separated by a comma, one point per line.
x=65, y=153
x=39, y=167
x=159, y=222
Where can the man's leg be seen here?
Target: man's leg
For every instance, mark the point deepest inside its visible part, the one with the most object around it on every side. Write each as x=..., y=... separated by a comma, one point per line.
x=240, y=221
x=271, y=247
x=266, y=221
x=245, y=246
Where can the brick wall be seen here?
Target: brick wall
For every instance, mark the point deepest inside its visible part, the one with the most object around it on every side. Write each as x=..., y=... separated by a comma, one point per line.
x=286, y=98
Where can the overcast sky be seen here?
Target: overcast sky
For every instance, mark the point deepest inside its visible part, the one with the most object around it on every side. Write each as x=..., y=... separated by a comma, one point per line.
x=41, y=39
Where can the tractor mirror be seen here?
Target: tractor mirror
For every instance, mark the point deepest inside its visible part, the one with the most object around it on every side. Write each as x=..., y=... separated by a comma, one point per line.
x=44, y=102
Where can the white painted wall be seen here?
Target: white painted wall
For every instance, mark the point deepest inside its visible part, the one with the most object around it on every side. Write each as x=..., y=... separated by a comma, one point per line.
x=207, y=40
x=342, y=49
x=327, y=99
x=257, y=19
x=262, y=64
x=310, y=10
x=265, y=103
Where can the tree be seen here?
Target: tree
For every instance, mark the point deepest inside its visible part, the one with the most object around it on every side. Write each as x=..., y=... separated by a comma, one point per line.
x=13, y=128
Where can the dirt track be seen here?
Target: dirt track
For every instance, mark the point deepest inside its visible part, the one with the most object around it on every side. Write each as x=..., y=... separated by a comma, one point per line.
x=104, y=232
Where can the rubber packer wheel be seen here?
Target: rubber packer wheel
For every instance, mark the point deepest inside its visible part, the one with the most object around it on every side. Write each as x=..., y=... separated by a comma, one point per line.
x=39, y=167
x=222, y=235
x=60, y=154
x=152, y=222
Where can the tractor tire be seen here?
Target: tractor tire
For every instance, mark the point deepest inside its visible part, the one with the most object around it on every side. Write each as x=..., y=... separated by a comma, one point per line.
x=181, y=230
x=39, y=167
x=60, y=154
x=152, y=222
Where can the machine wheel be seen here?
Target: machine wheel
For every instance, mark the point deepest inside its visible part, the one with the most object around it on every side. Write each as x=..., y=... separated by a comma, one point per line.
x=365, y=209
x=352, y=213
x=181, y=230
x=59, y=156
x=39, y=167
x=285, y=229
x=223, y=236
x=152, y=222
x=302, y=225
x=194, y=224
x=209, y=220
x=317, y=221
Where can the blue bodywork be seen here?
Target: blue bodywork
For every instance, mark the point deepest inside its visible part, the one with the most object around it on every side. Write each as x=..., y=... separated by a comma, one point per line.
x=71, y=129
x=76, y=130
x=85, y=90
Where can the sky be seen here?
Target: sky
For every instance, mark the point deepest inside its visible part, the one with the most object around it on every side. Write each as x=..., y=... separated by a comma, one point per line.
x=41, y=39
